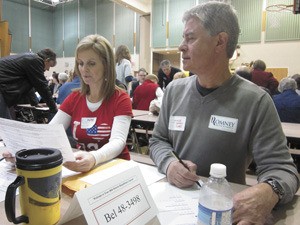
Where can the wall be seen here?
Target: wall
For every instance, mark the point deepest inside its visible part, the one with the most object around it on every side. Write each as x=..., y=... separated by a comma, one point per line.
x=145, y=49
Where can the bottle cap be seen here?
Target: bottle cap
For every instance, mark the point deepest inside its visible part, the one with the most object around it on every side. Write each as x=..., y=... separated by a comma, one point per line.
x=217, y=170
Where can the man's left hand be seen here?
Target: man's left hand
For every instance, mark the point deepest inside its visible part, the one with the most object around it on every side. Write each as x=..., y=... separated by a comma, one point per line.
x=254, y=205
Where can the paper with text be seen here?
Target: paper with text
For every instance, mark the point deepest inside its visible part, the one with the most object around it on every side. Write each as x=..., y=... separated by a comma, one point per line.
x=176, y=206
x=121, y=198
x=150, y=173
x=19, y=135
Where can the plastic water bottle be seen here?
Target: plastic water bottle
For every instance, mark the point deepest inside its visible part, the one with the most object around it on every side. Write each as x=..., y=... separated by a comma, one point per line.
x=215, y=200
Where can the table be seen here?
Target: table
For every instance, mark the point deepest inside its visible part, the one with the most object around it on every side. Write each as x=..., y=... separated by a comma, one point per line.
x=291, y=130
x=137, y=112
x=289, y=214
x=142, y=124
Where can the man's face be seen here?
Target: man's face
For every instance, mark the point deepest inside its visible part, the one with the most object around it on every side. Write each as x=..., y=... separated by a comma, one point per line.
x=49, y=63
x=141, y=76
x=197, y=47
x=166, y=69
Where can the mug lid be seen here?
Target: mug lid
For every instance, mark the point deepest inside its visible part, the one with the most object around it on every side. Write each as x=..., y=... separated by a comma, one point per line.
x=39, y=158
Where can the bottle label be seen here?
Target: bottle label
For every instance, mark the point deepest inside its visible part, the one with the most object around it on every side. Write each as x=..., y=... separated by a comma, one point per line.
x=214, y=217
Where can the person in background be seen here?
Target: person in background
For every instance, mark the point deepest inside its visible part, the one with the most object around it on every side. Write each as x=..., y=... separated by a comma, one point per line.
x=244, y=71
x=215, y=116
x=67, y=88
x=20, y=73
x=296, y=77
x=166, y=73
x=62, y=78
x=146, y=92
x=100, y=112
x=54, y=86
x=287, y=102
x=123, y=65
x=262, y=78
x=142, y=73
x=179, y=75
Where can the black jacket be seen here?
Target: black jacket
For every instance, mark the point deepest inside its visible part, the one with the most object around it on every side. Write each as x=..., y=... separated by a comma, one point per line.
x=163, y=80
x=19, y=74
x=134, y=85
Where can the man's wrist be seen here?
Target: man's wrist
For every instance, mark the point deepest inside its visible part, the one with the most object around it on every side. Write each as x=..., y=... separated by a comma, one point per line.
x=276, y=187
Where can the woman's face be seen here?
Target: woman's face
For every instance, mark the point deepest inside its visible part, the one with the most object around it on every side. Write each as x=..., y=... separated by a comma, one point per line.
x=90, y=67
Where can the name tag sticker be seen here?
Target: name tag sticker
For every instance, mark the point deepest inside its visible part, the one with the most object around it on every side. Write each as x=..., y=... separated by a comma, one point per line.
x=88, y=122
x=177, y=123
x=223, y=123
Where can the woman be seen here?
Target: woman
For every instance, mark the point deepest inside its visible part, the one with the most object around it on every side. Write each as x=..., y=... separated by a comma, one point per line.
x=123, y=65
x=99, y=113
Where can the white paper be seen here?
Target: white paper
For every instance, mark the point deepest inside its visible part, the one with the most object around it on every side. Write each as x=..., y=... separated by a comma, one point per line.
x=19, y=135
x=150, y=173
x=7, y=176
x=101, y=203
x=176, y=206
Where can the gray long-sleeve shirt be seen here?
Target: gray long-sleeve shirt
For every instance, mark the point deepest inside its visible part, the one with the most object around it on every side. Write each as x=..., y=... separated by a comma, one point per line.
x=232, y=125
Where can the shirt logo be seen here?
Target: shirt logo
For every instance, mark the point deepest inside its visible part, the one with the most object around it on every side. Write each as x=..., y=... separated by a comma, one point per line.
x=99, y=132
x=223, y=123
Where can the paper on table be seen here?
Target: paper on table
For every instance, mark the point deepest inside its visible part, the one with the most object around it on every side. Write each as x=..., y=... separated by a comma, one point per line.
x=6, y=178
x=18, y=135
x=176, y=206
x=150, y=173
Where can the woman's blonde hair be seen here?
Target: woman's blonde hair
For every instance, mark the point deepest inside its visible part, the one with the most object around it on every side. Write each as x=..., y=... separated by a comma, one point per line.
x=152, y=77
x=178, y=75
x=103, y=49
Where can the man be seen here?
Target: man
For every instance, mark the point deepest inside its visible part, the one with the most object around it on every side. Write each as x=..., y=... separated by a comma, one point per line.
x=20, y=73
x=142, y=73
x=214, y=116
x=166, y=73
x=262, y=78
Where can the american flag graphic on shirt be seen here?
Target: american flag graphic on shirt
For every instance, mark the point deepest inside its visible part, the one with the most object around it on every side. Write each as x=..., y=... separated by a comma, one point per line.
x=99, y=132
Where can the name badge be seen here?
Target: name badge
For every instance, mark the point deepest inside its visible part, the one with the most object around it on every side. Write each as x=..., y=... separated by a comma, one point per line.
x=177, y=123
x=88, y=122
x=223, y=123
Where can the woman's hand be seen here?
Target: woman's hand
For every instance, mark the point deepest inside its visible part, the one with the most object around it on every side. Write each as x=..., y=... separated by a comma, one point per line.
x=84, y=162
x=9, y=157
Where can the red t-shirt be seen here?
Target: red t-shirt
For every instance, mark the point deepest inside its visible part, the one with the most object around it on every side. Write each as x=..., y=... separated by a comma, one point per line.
x=90, y=129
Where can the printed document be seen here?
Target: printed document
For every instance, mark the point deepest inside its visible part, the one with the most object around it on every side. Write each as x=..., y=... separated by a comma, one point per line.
x=19, y=135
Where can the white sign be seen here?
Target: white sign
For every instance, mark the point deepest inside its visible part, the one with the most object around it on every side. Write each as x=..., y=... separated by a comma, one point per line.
x=117, y=199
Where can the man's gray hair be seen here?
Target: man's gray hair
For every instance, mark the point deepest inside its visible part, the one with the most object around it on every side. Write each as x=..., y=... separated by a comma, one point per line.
x=165, y=63
x=217, y=17
x=287, y=84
